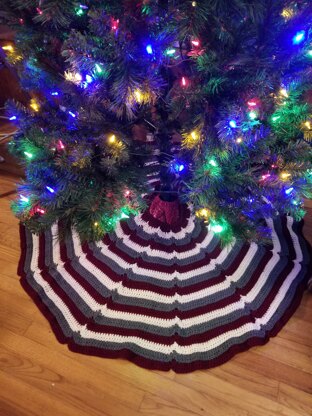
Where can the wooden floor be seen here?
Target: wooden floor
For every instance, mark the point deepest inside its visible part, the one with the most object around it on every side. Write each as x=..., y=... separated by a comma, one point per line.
x=40, y=377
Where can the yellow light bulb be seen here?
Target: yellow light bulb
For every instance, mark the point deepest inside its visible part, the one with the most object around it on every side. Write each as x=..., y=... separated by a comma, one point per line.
x=138, y=96
x=308, y=125
x=112, y=139
x=285, y=175
x=8, y=48
x=194, y=135
x=34, y=105
x=284, y=92
x=288, y=13
x=194, y=3
x=239, y=140
x=96, y=224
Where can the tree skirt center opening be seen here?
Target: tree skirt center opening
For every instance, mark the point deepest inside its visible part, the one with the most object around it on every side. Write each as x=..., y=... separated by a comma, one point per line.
x=165, y=296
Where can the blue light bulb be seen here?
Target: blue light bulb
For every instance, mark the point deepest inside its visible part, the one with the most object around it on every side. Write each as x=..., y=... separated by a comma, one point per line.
x=299, y=37
x=149, y=49
x=181, y=167
x=289, y=191
x=72, y=114
x=54, y=93
x=12, y=118
x=51, y=190
x=89, y=79
x=233, y=124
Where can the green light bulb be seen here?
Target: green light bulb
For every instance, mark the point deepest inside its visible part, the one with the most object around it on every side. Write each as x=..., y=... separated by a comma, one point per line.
x=252, y=115
x=212, y=162
x=29, y=155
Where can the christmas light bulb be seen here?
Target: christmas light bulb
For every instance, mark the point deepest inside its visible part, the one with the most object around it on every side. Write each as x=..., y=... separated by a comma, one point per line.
x=233, y=124
x=309, y=53
x=127, y=193
x=213, y=163
x=123, y=215
x=252, y=115
x=29, y=155
x=39, y=11
x=204, y=213
x=284, y=92
x=194, y=4
x=289, y=191
x=24, y=198
x=252, y=103
x=112, y=139
x=266, y=176
x=138, y=96
x=149, y=49
x=51, y=190
x=288, y=13
x=195, y=43
x=299, y=37
x=275, y=118
x=308, y=125
x=12, y=118
x=170, y=52
x=194, y=135
x=34, y=105
x=60, y=145
x=54, y=93
x=239, y=140
x=285, y=175
x=89, y=79
x=217, y=228
x=98, y=69
x=184, y=82
x=72, y=114
x=96, y=224
x=40, y=210
x=8, y=48
x=115, y=24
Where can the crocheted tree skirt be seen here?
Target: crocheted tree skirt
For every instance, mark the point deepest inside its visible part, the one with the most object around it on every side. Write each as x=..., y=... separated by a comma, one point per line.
x=165, y=296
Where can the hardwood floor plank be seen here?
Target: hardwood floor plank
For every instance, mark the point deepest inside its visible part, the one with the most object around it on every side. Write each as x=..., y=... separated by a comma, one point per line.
x=295, y=399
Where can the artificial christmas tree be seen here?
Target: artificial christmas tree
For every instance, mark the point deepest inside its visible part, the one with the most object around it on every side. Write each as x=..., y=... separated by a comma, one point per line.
x=206, y=102
x=231, y=78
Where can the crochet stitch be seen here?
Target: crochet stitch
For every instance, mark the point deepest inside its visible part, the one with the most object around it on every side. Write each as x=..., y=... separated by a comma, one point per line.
x=166, y=296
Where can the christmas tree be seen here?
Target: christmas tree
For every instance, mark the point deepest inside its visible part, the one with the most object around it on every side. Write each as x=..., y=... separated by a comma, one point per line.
x=224, y=88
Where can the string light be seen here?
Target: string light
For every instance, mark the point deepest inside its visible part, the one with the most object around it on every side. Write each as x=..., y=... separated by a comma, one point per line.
x=8, y=48
x=12, y=118
x=288, y=13
x=39, y=11
x=289, y=191
x=60, y=145
x=239, y=140
x=170, y=52
x=252, y=115
x=51, y=190
x=307, y=124
x=127, y=193
x=149, y=49
x=72, y=114
x=96, y=224
x=123, y=215
x=24, y=198
x=195, y=43
x=284, y=92
x=285, y=175
x=233, y=124
x=74, y=77
x=34, y=105
x=194, y=4
x=89, y=79
x=115, y=24
x=54, y=93
x=252, y=103
x=194, y=135
x=112, y=139
x=29, y=155
x=309, y=53
x=138, y=96
x=266, y=176
x=98, y=69
x=275, y=118
x=40, y=210
x=213, y=163
x=184, y=82
x=299, y=37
